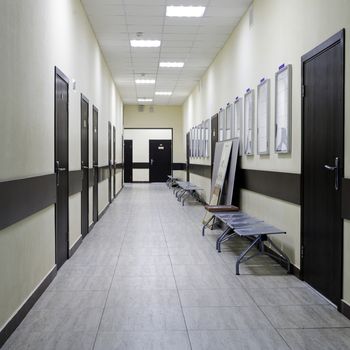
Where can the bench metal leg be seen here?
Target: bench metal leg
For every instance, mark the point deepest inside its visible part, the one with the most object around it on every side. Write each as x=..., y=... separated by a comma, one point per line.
x=207, y=224
x=245, y=252
x=221, y=237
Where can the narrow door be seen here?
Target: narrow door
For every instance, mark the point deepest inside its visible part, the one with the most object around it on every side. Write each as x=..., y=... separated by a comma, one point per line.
x=159, y=160
x=214, y=137
x=114, y=169
x=61, y=166
x=110, y=162
x=127, y=160
x=188, y=141
x=95, y=162
x=84, y=134
x=322, y=167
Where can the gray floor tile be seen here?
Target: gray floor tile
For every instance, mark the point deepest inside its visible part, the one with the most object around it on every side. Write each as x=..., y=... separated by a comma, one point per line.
x=147, y=283
x=286, y=296
x=266, y=339
x=142, y=297
x=316, y=339
x=224, y=318
x=307, y=316
x=143, y=341
x=142, y=318
x=270, y=281
x=215, y=297
x=143, y=270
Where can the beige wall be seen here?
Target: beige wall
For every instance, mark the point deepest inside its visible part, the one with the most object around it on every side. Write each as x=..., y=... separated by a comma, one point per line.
x=36, y=36
x=161, y=117
x=282, y=31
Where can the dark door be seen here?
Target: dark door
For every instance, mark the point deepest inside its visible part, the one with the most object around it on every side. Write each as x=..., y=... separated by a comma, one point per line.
x=214, y=137
x=114, y=169
x=95, y=162
x=127, y=160
x=188, y=141
x=110, y=162
x=322, y=164
x=61, y=166
x=159, y=160
x=84, y=105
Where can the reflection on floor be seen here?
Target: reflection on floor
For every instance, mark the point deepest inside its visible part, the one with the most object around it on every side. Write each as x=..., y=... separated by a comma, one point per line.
x=145, y=278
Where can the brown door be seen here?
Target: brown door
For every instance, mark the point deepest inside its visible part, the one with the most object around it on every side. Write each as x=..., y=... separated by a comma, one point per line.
x=61, y=166
x=127, y=160
x=160, y=154
x=84, y=134
x=95, y=162
x=322, y=167
x=110, y=162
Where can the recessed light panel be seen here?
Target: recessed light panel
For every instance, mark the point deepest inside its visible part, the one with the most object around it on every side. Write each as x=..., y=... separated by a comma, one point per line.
x=171, y=64
x=145, y=43
x=185, y=11
x=144, y=99
x=145, y=81
x=163, y=93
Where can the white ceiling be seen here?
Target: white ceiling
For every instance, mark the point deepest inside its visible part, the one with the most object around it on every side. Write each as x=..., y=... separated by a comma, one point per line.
x=195, y=41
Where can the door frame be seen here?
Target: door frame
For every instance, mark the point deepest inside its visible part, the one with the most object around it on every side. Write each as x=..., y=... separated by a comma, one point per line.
x=338, y=38
x=110, y=196
x=149, y=155
x=58, y=72
x=86, y=100
x=114, y=164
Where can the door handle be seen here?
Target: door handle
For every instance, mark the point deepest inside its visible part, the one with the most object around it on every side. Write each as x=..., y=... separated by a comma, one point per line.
x=61, y=169
x=151, y=161
x=335, y=168
x=85, y=167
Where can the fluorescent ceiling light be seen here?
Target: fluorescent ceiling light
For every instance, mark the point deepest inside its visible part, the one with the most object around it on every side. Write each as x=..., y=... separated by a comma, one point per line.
x=145, y=43
x=163, y=93
x=171, y=64
x=145, y=99
x=185, y=11
x=145, y=81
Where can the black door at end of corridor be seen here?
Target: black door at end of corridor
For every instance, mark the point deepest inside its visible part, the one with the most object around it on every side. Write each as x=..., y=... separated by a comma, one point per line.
x=61, y=166
x=160, y=159
x=84, y=105
x=322, y=167
x=128, y=160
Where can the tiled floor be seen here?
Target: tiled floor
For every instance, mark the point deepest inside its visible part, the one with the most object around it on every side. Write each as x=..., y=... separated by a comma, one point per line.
x=145, y=278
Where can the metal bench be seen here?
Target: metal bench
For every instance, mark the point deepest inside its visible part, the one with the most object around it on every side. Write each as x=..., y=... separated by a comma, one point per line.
x=185, y=190
x=257, y=231
x=171, y=182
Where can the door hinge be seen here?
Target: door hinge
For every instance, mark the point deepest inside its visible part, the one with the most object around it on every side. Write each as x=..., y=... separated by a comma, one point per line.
x=302, y=90
x=302, y=252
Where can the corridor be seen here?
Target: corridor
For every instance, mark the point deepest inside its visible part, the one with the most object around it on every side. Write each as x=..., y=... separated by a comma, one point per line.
x=144, y=278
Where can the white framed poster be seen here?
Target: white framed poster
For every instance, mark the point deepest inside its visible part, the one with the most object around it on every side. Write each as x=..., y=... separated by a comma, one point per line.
x=283, y=109
x=197, y=141
x=192, y=142
x=221, y=124
x=228, y=123
x=201, y=139
x=263, y=117
x=249, y=122
x=206, y=137
x=238, y=122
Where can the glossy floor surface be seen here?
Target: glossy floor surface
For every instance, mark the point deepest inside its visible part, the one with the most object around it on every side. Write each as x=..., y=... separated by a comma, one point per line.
x=145, y=278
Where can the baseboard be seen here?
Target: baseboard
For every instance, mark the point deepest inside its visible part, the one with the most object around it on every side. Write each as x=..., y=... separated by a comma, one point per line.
x=140, y=182
x=103, y=212
x=23, y=310
x=75, y=246
x=345, y=308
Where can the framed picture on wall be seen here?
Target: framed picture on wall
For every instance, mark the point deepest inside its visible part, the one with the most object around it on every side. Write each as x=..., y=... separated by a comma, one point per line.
x=206, y=137
x=228, y=123
x=283, y=109
x=263, y=117
x=200, y=146
x=192, y=142
x=238, y=122
x=221, y=124
x=249, y=122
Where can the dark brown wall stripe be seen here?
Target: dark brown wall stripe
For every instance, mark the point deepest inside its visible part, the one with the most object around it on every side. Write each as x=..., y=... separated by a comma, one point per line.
x=346, y=199
x=140, y=165
x=75, y=182
x=285, y=186
x=22, y=198
x=201, y=170
x=179, y=166
x=103, y=173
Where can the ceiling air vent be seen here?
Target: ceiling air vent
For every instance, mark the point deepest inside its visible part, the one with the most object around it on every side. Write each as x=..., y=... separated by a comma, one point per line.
x=141, y=108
